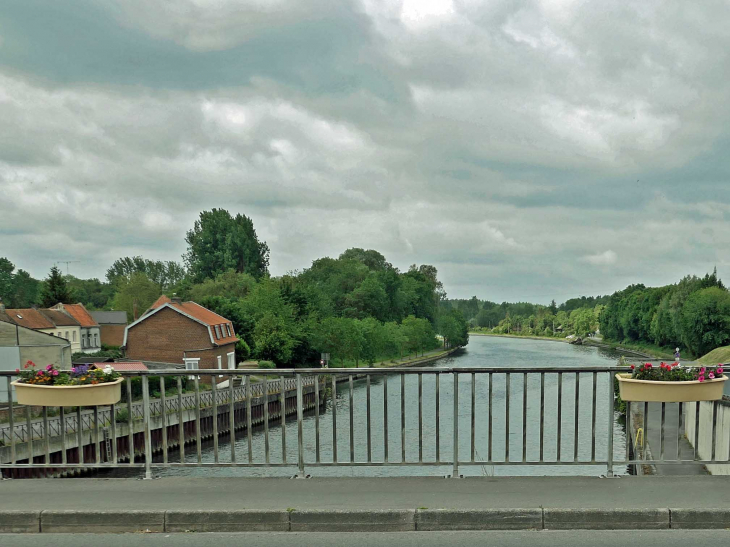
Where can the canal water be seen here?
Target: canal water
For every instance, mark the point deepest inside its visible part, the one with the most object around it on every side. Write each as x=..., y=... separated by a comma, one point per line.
x=482, y=351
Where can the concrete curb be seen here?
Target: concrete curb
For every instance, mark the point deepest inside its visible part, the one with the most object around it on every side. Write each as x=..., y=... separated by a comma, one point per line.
x=485, y=519
x=700, y=519
x=102, y=522
x=353, y=521
x=603, y=519
x=227, y=521
x=396, y=520
x=20, y=522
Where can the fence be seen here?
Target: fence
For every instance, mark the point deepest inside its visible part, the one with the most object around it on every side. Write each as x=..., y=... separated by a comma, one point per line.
x=394, y=417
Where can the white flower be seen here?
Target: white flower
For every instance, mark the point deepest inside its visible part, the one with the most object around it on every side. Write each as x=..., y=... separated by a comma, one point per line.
x=108, y=369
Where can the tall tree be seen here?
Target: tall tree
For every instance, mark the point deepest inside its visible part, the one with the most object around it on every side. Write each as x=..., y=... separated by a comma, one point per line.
x=164, y=273
x=219, y=242
x=55, y=289
x=139, y=289
x=7, y=291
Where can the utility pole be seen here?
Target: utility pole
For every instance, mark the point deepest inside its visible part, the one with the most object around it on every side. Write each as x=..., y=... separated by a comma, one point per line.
x=67, y=262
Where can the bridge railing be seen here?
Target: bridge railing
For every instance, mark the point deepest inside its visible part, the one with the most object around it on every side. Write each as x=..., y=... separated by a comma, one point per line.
x=451, y=418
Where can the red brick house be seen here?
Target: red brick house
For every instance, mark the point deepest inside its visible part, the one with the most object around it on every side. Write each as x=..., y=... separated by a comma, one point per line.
x=172, y=331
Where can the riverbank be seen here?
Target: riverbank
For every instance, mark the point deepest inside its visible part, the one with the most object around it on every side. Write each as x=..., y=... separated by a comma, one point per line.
x=639, y=351
x=548, y=338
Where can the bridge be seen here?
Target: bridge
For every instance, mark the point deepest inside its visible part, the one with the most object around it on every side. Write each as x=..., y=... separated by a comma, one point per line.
x=386, y=426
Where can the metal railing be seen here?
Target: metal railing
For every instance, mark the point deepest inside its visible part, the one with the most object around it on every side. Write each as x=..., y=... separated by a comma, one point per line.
x=416, y=417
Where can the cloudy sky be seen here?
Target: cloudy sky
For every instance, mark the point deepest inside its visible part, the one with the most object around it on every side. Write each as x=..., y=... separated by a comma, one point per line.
x=528, y=149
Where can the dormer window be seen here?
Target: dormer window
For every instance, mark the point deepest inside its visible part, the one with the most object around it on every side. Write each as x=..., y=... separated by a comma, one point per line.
x=217, y=332
x=229, y=330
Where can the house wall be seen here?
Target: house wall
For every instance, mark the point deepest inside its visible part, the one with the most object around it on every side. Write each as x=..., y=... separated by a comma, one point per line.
x=165, y=337
x=60, y=332
x=112, y=335
x=93, y=337
x=209, y=359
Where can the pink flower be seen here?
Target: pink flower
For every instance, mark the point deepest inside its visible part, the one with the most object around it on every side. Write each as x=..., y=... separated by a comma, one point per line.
x=719, y=370
x=49, y=367
x=40, y=373
x=701, y=378
x=712, y=376
x=17, y=370
x=702, y=370
x=55, y=373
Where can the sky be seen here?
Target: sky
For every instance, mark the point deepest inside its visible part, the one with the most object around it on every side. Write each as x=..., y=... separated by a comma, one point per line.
x=529, y=150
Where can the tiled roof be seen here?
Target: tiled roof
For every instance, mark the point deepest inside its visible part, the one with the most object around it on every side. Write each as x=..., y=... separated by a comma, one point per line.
x=109, y=317
x=80, y=313
x=130, y=366
x=29, y=318
x=60, y=318
x=161, y=301
x=212, y=319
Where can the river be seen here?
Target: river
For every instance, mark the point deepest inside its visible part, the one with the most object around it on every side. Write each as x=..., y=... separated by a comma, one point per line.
x=481, y=352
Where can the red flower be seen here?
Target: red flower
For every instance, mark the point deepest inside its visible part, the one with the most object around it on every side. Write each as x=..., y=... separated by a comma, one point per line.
x=632, y=367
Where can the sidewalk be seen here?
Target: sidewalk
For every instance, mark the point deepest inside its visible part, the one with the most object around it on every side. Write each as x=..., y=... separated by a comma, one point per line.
x=373, y=504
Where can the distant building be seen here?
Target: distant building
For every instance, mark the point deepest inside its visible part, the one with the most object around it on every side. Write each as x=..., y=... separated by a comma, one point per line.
x=172, y=331
x=51, y=322
x=18, y=345
x=90, y=331
x=112, y=325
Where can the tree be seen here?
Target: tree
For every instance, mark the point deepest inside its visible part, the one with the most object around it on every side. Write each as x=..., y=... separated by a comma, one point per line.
x=230, y=284
x=92, y=293
x=273, y=339
x=706, y=320
x=165, y=274
x=7, y=287
x=368, y=299
x=27, y=290
x=55, y=290
x=137, y=288
x=219, y=242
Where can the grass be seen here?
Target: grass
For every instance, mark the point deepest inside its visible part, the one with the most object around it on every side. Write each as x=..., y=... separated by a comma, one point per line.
x=718, y=355
x=652, y=350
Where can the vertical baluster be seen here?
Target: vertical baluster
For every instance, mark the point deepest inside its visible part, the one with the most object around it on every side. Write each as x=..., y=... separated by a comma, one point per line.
x=403, y=416
x=560, y=414
x=316, y=417
x=198, y=436
x=491, y=421
x=29, y=436
x=455, y=472
x=697, y=430
x=367, y=397
x=645, y=436
x=473, y=415
x=438, y=418
x=180, y=420
x=130, y=421
x=680, y=415
x=714, y=429
x=577, y=410
x=609, y=449
x=232, y=417
x=300, y=425
x=629, y=428
x=113, y=425
x=163, y=405
x=420, y=417
x=47, y=435
x=661, y=434
x=385, y=417
x=352, y=424
x=97, y=441
x=11, y=422
x=214, y=393
x=282, y=415
x=267, y=451
x=248, y=392
x=593, y=420
x=542, y=415
x=79, y=435
x=506, y=417
x=62, y=417
x=334, y=418
x=147, y=428
x=524, y=417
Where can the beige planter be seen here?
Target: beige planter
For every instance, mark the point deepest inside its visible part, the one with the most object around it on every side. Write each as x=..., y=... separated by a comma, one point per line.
x=669, y=392
x=108, y=393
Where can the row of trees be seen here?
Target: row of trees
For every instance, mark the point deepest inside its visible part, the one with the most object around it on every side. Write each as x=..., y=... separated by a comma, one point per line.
x=692, y=314
x=358, y=307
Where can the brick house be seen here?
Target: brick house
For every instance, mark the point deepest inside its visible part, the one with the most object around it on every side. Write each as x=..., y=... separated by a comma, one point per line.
x=172, y=331
x=112, y=325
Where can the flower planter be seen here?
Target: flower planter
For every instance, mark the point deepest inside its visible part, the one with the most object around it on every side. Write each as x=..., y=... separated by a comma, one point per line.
x=107, y=393
x=669, y=392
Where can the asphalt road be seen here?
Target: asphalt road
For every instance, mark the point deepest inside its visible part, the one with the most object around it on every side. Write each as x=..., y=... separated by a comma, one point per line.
x=580, y=538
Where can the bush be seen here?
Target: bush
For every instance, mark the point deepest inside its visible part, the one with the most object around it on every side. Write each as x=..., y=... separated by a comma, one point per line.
x=267, y=364
x=154, y=383
x=122, y=416
x=243, y=352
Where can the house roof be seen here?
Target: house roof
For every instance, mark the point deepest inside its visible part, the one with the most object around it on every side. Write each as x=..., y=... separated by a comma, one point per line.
x=129, y=366
x=109, y=317
x=80, y=313
x=29, y=318
x=59, y=318
x=197, y=313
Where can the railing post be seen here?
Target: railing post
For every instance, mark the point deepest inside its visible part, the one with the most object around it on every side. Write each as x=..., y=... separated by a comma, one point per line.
x=455, y=472
x=300, y=425
x=147, y=430
x=609, y=449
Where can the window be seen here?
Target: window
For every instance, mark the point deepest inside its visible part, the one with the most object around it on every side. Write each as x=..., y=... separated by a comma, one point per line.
x=191, y=364
x=217, y=332
x=229, y=330
x=96, y=340
x=67, y=337
x=220, y=365
x=231, y=360
x=83, y=340
x=74, y=335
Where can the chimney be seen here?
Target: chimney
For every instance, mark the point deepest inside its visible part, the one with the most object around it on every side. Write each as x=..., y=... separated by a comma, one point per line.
x=134, y=309
x=2, y=306
x=176, y=299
